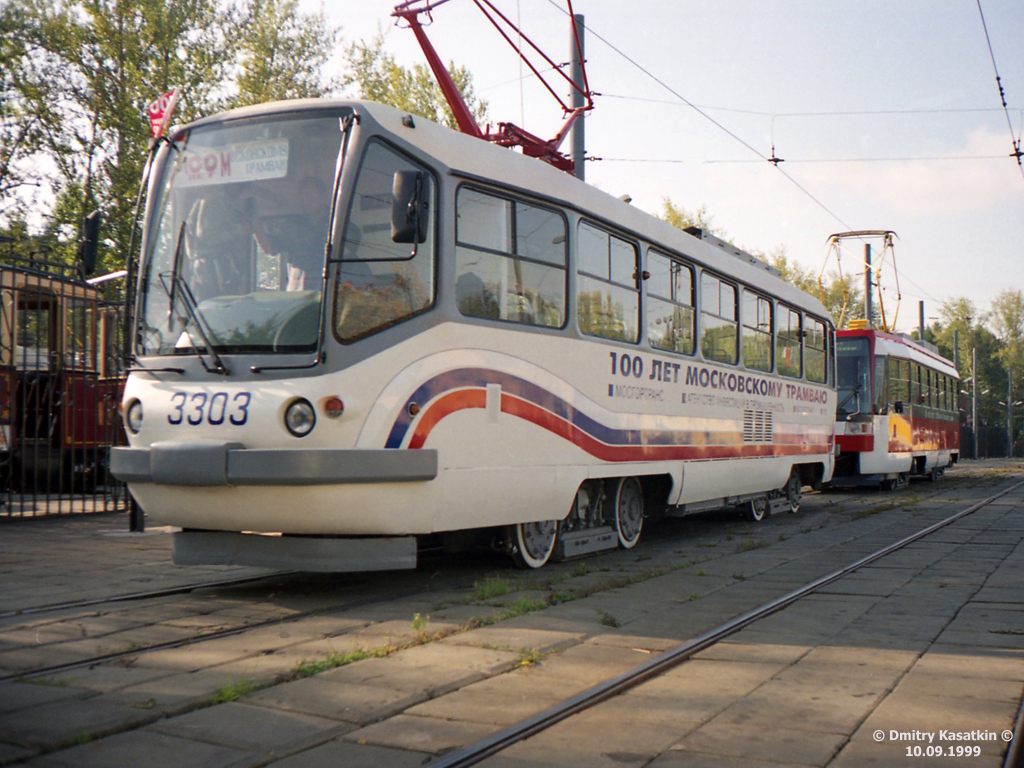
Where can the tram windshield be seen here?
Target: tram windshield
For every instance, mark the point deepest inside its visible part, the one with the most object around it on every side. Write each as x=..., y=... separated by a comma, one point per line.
x=236, y=248
x=853, y=376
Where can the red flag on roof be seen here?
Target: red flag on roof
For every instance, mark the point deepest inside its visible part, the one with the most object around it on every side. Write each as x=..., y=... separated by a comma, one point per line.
x=160, y=111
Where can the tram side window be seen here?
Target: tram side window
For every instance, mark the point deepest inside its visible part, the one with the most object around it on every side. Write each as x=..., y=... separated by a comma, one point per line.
x=510, y=260
x=379, y=282
x=608, y=303
x=80, y=335
x=757, y=332
x=787, y=343
x=670, y=317
x=815, y=342
x=881, y=383
x=718, y=321
x=915, y=383
x=899, y=380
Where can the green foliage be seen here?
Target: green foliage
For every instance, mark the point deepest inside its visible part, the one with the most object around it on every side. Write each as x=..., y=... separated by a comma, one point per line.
x=492, y=586
x=282, y=52
x=234, y=689
x=681, y=218
x=378, y=77
x=76, y=76
x=840, y=294
x=333, y=660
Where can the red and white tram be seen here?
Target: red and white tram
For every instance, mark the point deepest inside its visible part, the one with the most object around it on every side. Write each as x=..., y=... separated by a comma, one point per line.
x=356, y=328
x=897, y=413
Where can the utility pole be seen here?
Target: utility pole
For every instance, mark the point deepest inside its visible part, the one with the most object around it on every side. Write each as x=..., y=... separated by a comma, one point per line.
x=974, y=398
x=1009, y=412
x=920, y=307
x=578, y=132
x=867, y=284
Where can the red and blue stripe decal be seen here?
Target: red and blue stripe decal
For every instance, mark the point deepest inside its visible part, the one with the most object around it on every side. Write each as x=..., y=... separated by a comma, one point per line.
x=465, y=388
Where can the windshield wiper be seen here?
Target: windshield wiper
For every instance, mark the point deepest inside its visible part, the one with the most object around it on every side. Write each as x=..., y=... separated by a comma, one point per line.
x=178, y=286
x=853, y=393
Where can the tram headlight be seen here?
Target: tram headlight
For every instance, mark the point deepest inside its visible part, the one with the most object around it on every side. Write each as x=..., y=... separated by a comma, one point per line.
x=133, y=417
x=300, y=418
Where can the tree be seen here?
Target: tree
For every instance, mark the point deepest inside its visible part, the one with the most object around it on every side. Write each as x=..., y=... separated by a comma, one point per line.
x=840, y=294
x=86, y=70
x=20, y=133
x=378, y=77
x=282, y=53
x=959, y=318
x=1007, y=319
x=683, y=219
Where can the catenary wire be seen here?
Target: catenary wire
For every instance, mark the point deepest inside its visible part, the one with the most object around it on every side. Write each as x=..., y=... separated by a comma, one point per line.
x=1002, y=93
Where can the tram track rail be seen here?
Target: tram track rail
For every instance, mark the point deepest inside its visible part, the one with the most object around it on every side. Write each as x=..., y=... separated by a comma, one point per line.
x=531, y=726
x=185, y=589
x=201, y=637
x=150, y=594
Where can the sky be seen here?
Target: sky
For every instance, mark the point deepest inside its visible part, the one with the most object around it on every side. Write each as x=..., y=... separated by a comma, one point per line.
x=886, y=114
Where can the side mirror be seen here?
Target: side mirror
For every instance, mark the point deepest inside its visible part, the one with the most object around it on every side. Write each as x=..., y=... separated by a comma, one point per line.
x=898, y=406
x=409, y=208
x=90, y=242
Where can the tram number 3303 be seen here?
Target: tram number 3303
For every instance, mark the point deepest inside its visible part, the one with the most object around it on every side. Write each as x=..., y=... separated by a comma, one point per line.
x=216, y=409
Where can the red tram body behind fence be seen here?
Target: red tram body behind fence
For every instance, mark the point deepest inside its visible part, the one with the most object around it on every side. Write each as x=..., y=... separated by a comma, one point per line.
x=60, y=384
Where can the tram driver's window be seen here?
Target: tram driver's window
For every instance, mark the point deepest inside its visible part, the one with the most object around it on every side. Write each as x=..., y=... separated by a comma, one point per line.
x=718, y=321
x=379, y=282
x=608, y=303
x=510, y=260
x=670, y=316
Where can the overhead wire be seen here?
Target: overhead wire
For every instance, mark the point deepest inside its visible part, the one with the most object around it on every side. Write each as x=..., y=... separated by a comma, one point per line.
x=774, y=161
x=1002, y=93
x=703, y=112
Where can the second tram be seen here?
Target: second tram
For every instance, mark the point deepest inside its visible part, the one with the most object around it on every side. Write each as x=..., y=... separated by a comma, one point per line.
x=897, y=413
x=60, y=379
x=356, y=329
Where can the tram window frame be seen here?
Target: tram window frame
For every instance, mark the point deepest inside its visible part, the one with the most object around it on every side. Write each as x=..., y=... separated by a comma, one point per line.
x=603, y=273
x=881, y=383
x=915, y=384
x=757, y=305
x=786, y=341
x=665, y=292
x=815, y=328
x=421, y=260
x=714, y=314
x=513, y=254
x=899, y=392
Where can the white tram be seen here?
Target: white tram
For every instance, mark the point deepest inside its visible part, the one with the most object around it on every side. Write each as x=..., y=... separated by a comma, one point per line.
x=356, y=328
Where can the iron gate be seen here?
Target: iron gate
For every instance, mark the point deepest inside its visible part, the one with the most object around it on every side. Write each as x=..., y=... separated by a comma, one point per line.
x=60, y=385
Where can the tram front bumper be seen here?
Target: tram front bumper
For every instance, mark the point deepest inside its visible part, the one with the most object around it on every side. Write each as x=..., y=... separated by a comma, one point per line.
x=217, y=463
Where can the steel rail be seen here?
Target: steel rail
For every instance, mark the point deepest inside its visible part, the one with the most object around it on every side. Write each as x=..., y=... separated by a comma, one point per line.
x=596, y=694
x=199, y=638
x=144, y=595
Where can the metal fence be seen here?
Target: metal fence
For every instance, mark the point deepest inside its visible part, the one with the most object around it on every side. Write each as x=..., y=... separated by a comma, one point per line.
x=60, y=384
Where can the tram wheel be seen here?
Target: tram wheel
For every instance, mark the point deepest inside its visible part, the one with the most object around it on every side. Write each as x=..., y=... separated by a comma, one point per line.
x=533, y=543
x=629, y=511
x=792, y=491
x=756, y=509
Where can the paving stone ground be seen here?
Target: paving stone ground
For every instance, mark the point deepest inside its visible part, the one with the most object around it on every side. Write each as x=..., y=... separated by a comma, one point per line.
x=929, y=641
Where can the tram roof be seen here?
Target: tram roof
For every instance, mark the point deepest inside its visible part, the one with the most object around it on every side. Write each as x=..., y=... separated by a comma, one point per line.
x=469, y=158
x=899, y=345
